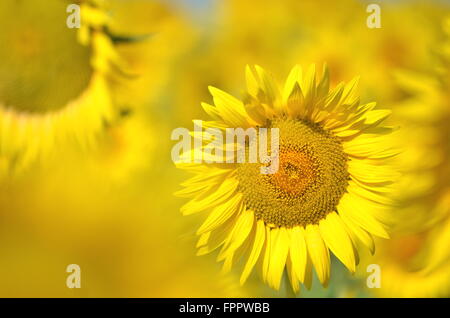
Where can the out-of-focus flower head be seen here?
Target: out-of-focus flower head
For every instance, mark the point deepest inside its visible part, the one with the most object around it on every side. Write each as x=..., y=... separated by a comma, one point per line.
x=416, y=262
x=278, y=34
x=160, y=36
x=54, y=83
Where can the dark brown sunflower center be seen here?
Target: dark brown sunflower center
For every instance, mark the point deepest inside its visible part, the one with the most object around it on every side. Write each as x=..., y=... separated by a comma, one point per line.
x=310, y=181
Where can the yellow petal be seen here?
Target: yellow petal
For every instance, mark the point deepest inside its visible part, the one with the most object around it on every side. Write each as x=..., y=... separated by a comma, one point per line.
x=334, y=97
x=319, y=253
x=295, y=102
x=192, y=190
x=256, y=111
x=358, y=234
x=349, y=207
x=324, y=84
x=216, y=238
x=368, y=194
x=252, y=82
x=209, y=200
x=308, y=273
x=203, y=240
x=239, y=234
x=211, y=176
x=221, y=213
x=279, y=252
x=267, y=251
x=369, y=147
x=350, y=94
x=294, y=77
x=377, y=116
x=212, y=111
x=334, y=234
x=258, y=244
x=269, y=87
x=230, y=108
x=309, y=88
x=298, y=252
x=365, y=171
x=292, y=276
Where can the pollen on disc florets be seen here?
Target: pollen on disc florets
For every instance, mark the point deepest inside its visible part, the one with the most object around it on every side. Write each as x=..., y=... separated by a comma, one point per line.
x=311, y=179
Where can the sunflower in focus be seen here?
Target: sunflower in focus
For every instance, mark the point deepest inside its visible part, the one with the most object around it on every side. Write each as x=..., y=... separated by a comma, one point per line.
x=327, y=195
x=54, y=83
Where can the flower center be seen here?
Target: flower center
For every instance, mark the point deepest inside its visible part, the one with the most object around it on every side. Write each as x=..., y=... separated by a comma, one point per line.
x=296, y=172
x=311, y=179
x=43, y=65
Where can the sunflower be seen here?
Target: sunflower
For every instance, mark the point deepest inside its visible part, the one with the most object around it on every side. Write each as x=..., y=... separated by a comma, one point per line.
x=291, y=28
x=424, y=191
x=125, y=149
x=415, y=264
x=54, y=82
x=329, y=190
x=162, y=35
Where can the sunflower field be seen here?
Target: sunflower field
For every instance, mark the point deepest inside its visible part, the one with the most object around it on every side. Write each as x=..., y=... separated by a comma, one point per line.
x=225, y=148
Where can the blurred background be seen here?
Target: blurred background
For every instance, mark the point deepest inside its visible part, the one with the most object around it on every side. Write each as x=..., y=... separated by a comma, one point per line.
x=86, y=114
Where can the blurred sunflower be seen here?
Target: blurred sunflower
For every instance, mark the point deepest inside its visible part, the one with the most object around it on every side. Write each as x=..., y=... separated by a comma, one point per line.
x=424, y=190
x=424, y=194
x=122, y=237
x=277, y=34
x=162, y=36
x=414, y=264
x=386, y=49
x=326, y=195
x=54, y=83
x=126, y=148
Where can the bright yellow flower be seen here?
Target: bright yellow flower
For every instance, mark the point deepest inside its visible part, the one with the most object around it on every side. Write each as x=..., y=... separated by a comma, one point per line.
x=279, y=34
x=416, y=263
x=326, y=195
x=54, y=83
x=424, y=194
x=424, y=190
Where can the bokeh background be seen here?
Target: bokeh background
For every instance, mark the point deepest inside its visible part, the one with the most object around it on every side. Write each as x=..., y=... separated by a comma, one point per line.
x=108, y=205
